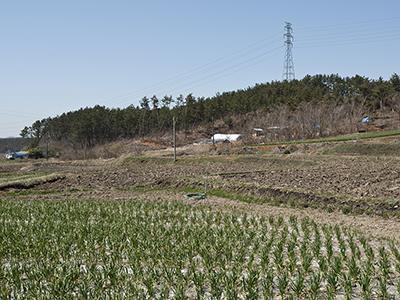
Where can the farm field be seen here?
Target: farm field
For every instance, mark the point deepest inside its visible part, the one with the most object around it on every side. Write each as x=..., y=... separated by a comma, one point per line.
x=146, y=248
x=303, y=226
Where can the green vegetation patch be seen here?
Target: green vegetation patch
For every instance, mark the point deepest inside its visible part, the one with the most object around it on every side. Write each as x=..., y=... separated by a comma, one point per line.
x=343, y=138
x=18, y=176
x=28, y=181
x=168, y=250
x=366, y=149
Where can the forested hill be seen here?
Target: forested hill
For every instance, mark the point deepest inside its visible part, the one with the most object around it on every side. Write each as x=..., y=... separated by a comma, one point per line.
x=13, y=144
x=325, y=102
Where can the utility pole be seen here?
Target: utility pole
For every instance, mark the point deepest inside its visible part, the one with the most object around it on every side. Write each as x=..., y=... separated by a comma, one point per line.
x=174, y=135
x=212, y=131
x=47, y=145
x=288, y=66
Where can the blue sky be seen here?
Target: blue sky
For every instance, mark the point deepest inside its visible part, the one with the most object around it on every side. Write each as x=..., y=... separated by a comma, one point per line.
x=57, y=56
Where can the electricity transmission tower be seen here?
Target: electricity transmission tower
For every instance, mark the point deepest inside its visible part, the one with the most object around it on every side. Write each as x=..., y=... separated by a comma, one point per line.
x=288, y=67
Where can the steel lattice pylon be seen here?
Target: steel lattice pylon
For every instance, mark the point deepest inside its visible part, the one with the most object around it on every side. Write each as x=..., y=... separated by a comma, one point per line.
x=288, y=67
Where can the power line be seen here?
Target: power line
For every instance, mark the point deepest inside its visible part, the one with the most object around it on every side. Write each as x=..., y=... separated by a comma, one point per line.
x=182, y=76
x=346, y=25
x=209, y=66
x=347, y=33
x=232, y=72
x=353, y=41
x=229, y=70
x=188, y=75
x=352, y=36
x=321, y=36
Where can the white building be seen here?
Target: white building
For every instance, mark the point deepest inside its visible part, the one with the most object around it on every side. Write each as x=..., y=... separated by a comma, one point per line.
x=221, y=138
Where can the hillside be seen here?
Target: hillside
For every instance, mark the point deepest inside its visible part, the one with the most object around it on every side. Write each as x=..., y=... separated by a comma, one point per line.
x=315, y=106
x=12, y=144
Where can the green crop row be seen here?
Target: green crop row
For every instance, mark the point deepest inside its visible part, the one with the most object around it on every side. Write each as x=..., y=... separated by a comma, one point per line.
x=171, y=250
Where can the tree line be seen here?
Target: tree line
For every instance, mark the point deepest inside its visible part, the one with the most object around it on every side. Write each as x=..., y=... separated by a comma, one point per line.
x=13, y=144
x=90, y=126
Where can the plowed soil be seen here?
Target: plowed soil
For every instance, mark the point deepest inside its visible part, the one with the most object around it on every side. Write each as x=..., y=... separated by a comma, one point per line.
x=366, y=189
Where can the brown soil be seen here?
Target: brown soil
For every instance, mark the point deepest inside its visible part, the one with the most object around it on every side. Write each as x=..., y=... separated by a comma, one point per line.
x=366, y=179
x=365, y=183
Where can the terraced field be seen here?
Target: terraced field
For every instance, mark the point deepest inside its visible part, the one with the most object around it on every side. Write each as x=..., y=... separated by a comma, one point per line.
x=272, y=227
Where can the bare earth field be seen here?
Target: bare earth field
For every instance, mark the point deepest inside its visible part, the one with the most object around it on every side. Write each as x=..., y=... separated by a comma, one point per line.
x=351, y=186
x=350, y=194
